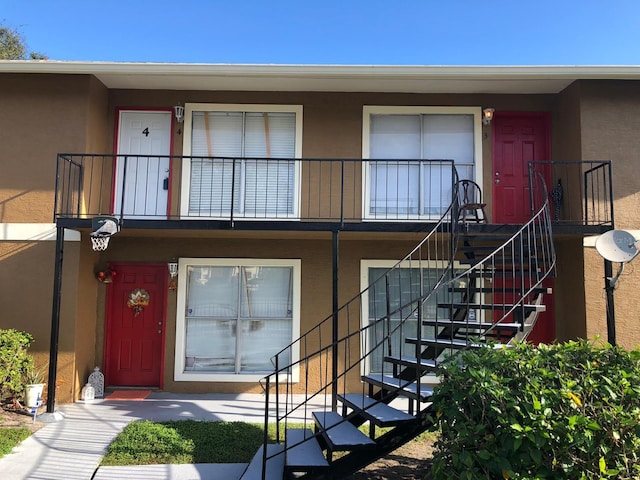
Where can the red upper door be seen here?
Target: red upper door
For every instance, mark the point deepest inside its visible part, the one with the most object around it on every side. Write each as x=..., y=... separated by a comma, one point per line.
x=135, y=325
x=518, y=139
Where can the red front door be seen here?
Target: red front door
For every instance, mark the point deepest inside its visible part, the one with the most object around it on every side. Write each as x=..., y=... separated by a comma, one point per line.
x=518, y=139
x=135, y=325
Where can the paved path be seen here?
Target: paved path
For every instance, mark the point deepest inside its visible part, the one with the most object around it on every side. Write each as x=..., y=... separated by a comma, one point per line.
x=73, y=447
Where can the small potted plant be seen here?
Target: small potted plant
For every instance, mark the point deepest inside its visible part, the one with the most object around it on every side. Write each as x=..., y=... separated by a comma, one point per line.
x=34, y=385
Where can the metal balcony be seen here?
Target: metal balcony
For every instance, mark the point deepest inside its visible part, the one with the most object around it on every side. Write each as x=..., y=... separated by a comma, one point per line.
x=288, y=194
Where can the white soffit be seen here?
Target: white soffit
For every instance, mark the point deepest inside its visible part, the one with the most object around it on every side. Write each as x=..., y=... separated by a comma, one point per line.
x=336, y=78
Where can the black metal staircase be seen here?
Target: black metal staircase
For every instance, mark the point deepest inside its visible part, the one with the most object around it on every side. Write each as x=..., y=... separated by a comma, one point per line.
x=464, y=286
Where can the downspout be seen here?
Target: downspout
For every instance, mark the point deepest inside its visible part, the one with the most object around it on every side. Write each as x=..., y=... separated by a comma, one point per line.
x=55, y=321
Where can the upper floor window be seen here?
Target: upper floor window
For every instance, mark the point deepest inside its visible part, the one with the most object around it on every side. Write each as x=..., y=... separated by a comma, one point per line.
x=244, y=161
x=409, y=175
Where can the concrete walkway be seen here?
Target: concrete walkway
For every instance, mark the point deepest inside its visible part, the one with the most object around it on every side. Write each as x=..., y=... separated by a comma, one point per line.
x=73, y=447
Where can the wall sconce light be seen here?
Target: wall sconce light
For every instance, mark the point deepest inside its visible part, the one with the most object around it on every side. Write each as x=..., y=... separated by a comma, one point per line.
x=172, y=265
x=178, y=110
x=487, y=115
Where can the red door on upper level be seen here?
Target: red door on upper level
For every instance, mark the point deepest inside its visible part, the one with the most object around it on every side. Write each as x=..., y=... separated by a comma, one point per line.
x=518, y=138
x=136, y=304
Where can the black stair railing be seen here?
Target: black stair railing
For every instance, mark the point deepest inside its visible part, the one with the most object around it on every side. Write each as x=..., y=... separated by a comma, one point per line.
x=501, y=292
x=373, y=323
x=494, y=295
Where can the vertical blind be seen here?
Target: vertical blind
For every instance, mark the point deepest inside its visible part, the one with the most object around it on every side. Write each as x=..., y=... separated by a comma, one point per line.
x=248, y=164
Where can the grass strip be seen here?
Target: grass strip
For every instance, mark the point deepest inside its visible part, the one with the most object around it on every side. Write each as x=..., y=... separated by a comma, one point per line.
x=10, y=437
x=186, y=441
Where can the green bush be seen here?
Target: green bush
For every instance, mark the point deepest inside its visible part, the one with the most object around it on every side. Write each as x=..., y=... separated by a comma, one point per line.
x=15, y=362
x=567, y=411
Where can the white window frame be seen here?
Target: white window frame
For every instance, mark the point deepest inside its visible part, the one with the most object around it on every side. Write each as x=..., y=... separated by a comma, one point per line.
x=370, y=110
x=180, y=375
x=365, y=281
x=185, y=187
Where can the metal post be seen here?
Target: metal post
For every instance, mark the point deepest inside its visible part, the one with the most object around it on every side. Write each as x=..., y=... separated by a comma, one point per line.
x=334, y=325
x=611, y=313
x=55, y=321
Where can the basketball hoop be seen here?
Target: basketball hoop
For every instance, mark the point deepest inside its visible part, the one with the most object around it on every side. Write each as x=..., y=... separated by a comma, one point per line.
x=103, y=228
x=99, y=243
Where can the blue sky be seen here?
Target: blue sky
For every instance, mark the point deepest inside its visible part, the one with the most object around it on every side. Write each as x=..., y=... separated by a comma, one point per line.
x=393, y=32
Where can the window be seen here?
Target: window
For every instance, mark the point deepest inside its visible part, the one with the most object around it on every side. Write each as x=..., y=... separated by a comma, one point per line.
x=404, y=286
x=407, y=177
x=244, y=161
x=233, y=316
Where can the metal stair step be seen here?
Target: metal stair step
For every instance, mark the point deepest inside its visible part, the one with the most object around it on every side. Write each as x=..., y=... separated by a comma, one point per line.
x=493, y=306
x=340, y=434
x=506, y=264
x=447, y=342
x=503, y=289
x=380, y=414
x=472, y=325
x=426, y=365
x=303, y=451
x=408, y=389
x=493, y=246
x=275, y=464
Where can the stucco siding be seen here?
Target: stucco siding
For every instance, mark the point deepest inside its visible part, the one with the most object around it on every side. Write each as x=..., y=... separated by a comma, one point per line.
x=610, y=124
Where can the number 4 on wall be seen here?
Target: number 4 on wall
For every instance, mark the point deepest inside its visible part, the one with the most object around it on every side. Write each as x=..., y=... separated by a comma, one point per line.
x=145, y=132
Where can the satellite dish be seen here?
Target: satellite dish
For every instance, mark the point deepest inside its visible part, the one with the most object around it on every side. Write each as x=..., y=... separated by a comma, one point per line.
x=617, y=246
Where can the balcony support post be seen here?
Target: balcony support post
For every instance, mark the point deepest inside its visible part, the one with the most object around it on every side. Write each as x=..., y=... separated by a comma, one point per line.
x=611, y=313
x=334, y=322
x=55, y=321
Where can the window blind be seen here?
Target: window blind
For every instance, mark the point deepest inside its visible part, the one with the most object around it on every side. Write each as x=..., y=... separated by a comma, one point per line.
x=250, y=157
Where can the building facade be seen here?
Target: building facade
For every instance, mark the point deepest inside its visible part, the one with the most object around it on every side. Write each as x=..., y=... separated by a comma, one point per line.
x=281, y=192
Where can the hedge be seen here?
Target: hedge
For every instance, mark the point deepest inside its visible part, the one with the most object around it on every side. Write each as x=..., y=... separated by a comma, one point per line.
x=565, y=411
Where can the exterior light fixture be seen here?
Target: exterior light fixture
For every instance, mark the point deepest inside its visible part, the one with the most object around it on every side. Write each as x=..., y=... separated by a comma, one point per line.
x=172, y=265
x=178, y=110
x=487, y=115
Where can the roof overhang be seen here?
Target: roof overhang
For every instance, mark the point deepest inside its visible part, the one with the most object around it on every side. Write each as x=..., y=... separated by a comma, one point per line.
x=327, y=78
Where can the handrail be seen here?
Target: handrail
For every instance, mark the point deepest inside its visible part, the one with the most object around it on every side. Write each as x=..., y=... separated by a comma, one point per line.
x=536, y=261
x=434, y=250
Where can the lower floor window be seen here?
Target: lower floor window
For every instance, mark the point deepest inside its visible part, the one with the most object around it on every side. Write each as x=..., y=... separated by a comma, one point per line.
x=394, y=291
x=233, y=316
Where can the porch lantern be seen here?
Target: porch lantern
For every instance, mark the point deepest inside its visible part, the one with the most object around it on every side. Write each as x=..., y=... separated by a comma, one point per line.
x=172, y=265
x=487, y=115
x=178, y=110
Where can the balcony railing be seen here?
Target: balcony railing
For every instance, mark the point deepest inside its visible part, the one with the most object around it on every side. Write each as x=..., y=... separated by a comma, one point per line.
x=229, y=189
x=581, y=193
x=296, y=190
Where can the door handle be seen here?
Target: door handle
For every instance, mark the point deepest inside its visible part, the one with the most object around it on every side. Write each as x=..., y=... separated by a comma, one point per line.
x=497, y=181
x=159, y=331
